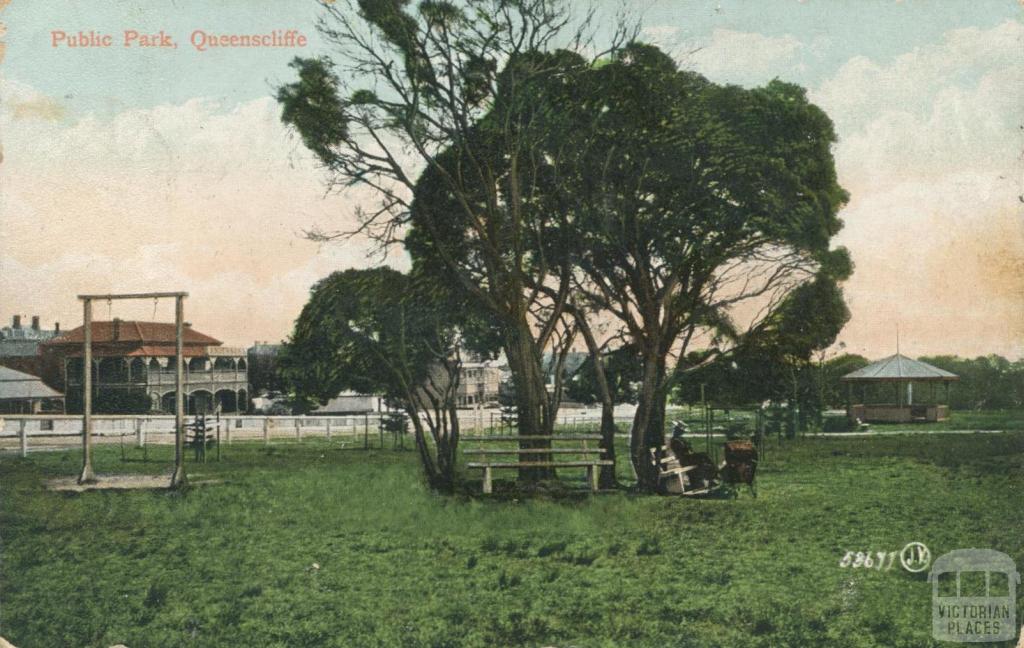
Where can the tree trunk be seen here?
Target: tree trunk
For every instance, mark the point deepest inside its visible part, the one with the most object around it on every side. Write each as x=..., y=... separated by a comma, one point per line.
x=648, y=423
x=451, y=449
x=532, y=409
x=656, y=426
x=429, y=468
x=606, y=476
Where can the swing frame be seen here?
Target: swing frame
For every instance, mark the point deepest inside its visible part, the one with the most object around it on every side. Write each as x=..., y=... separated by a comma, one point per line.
x=87, y=476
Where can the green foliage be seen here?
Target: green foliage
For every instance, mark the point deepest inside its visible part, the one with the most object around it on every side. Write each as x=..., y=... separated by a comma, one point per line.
x=307, y=545
x=381, y=331
x=809, y=320
x=370, y=331
x=692, y=201
x=313, y=106
x=537, y=171
x=395, y=422
x=622, y=368
x=833, y=370
x=695, y=173
x=989, y=382
x=349, y=333
x=775, y=362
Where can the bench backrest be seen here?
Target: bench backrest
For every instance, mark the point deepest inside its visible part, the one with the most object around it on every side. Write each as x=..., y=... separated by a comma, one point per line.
x=584, y=444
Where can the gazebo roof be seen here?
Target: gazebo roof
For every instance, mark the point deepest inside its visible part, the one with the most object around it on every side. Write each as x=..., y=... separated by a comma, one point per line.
x=899, y=367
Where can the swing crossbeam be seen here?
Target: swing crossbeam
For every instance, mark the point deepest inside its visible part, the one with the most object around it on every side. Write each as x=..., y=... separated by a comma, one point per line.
x=149, y=295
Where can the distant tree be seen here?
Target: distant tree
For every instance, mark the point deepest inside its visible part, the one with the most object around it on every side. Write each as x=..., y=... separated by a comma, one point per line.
x=833, y=369
x=263, y=373
x=986, y=382
x=622, y=370
x=380, y=331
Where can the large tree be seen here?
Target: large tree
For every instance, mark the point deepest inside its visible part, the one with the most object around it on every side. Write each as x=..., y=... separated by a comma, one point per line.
x=381, y=331
x=697, y=208
x=463, y=92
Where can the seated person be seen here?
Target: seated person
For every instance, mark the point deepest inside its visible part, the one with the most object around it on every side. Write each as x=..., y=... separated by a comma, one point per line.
x=705, y=473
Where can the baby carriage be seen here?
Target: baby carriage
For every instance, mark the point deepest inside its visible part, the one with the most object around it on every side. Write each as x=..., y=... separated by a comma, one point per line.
x=740, y=465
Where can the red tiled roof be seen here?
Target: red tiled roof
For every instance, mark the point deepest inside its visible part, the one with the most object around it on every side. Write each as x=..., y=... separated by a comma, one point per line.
x=135, y=333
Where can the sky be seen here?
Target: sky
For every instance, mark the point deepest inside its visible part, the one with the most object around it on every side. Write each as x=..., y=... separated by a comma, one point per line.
x=137, y=169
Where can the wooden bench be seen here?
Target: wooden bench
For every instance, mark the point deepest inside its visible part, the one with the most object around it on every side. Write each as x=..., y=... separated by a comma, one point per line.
x=489, y=459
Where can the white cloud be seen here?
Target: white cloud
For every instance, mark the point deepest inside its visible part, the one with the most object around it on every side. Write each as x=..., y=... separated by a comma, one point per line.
x=730, y=56
x=743, y=57
x=187, y=196
x=862, y=88
x=930, y=148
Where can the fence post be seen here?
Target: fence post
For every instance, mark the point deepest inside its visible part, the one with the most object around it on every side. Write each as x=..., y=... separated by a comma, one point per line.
x=298, y=430
x=24, y=438
x=366, y=431
x=328, y=429
x=227, y=430
x=266, y=430
x=140, y=436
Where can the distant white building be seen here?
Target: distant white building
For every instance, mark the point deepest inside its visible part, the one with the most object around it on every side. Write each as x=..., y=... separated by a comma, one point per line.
x=479, y=383
x=350, y=402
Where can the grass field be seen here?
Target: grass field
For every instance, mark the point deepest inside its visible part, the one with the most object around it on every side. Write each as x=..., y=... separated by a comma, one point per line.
x=313, y=545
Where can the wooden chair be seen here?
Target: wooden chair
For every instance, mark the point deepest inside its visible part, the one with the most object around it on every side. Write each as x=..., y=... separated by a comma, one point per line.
x=671, y=476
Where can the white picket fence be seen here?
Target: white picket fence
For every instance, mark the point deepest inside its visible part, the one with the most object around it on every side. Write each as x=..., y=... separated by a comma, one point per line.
x=25, y=433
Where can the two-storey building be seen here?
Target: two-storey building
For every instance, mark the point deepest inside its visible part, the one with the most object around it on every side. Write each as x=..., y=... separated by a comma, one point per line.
x=133, y=369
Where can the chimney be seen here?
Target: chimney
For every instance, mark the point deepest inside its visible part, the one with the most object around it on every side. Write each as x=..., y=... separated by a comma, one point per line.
x=117, y=329
x=35, y=322
x=16, y=322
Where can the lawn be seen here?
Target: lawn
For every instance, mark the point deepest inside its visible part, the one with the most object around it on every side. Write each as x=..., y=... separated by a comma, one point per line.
x=314, y=545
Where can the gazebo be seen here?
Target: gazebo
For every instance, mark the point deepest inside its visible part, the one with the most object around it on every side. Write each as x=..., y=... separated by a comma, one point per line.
x=889, y=384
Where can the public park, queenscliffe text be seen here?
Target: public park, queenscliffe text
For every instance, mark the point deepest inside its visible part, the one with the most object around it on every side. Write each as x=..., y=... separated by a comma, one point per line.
x=199, y=39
